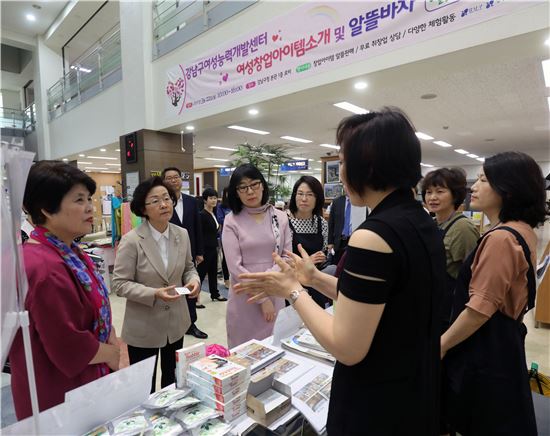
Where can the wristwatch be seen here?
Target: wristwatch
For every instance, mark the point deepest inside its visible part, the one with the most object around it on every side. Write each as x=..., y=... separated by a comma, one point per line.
x=294, y=295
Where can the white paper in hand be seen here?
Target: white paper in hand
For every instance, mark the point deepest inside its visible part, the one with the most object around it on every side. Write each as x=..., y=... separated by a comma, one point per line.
x=183, y=290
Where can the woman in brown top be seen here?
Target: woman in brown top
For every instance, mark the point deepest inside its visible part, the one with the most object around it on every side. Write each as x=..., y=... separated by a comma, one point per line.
x=486, y=373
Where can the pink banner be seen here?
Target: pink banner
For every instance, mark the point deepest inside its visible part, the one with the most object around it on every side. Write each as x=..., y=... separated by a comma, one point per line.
x=317, y=37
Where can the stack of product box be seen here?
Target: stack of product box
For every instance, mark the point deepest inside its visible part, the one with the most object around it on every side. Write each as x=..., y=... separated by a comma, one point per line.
x=220, y=384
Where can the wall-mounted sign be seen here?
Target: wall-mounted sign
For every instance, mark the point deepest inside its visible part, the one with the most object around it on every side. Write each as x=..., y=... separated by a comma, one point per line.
x=314, y=38
x=132, y=181
x=295, y=165
x=226, y=171
x=156, y=173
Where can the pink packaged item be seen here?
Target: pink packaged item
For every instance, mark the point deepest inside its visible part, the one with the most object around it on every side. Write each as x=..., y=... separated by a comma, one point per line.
x=218, y=350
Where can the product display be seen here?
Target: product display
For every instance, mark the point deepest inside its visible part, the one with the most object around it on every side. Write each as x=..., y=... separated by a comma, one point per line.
x=220, y=372
x=214, y=427
x=292, y=343
x=182, y=403
x=286, y=369
x=184, y=357
x=131, y=424
x=164, y=426
x=195, y=416
x=255, y=354
x=164, y=398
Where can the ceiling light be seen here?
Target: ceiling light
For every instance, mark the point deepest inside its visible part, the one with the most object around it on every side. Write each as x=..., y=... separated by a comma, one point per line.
x=337, y=147
x=316, y=169
x=102, y=157
x=96, y=168
x=473, y=156
x=112, y=165
x=298, y=158
x=351, y=107
x=311, y=160
x=253, y=111
x=360, y=85
x=117, y=149
x=461, y=151
x=546, y=71
x=426, y=165
x=217, y=159
x=442, y=144
x=103, y=149
x=220, y=166
x=307, y=172
x=320, y=161
x=110, y=172
x=547, y=42
x=421, y=135
x=65, y=159
x=84, y=163
x=30, y=17
x=481, y=159
x=190, y=127
x=293, y=138
x=81, y=155
x=246, y=129
x=181, y=132
x=222, y=148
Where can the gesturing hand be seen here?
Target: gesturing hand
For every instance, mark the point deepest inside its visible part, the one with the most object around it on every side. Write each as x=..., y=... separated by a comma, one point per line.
x=318, y=257
x=167, y=294
x=278, y=284
x=303, y=265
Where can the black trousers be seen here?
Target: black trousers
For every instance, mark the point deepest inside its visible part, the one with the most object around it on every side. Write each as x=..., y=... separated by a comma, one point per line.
x=210, y=266
x=167, y=361
x=224, y=266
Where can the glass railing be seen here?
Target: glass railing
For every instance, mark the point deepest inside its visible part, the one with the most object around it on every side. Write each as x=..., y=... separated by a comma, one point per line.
x=176, y=22
x=96, y=70
x=18, y=119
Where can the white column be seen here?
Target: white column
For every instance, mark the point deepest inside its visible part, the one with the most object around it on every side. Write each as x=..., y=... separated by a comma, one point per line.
x=136, y=47
x=48, y=69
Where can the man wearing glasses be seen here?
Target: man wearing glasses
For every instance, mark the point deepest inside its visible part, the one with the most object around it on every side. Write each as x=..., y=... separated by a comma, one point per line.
x=186, y=215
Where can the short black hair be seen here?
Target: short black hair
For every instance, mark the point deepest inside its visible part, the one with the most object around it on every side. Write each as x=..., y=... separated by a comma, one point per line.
x=454, y=179
x=165, y=170
x=47, y=184
x=518, y=180
x=137, y=206
x=242, y=171
x=209, y=192
x=380, y=150
x=316, y=187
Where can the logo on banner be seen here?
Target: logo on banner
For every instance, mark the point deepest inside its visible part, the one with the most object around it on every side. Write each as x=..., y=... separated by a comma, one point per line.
x=176, y=91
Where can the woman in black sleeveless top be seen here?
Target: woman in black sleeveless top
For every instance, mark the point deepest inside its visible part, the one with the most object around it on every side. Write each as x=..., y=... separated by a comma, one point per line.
x=308, y=226
x=385, y=330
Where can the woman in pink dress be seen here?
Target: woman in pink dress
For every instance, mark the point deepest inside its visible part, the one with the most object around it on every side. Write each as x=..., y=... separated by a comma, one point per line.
x=251, y=234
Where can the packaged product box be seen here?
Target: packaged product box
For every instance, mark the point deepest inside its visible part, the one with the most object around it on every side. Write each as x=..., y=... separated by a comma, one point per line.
x=220, y=372
x=231, y=409
x=204, y=388
x=268, y=406
x=184, y=357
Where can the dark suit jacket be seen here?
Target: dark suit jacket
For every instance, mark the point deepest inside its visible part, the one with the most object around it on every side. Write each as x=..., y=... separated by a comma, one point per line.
x=209, y=230
x=336, y=221
x=192, y=223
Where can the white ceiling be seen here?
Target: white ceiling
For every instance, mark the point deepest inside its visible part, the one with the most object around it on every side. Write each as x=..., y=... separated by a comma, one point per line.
x=490, y=98
x=13, y=15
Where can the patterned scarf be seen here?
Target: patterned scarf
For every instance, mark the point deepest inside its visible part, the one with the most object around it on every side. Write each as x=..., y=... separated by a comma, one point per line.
x=90, y=280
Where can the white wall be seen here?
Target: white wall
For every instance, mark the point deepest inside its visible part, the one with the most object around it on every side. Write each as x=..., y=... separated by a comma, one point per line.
x=527, y=20
x=10, y=99
x=96, y=122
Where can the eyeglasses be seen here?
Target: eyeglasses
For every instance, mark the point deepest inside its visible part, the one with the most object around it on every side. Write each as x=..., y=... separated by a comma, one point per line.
x=155, y=202
x=253, y=186
x=307, y=195
x=172, y=178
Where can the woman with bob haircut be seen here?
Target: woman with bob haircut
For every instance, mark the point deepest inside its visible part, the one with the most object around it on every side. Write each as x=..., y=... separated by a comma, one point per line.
x=484, y=348
x=384, y=332
x=152, y=260
x=443, y=192
x=250, y=235
x=308, y=226
x=72, y=336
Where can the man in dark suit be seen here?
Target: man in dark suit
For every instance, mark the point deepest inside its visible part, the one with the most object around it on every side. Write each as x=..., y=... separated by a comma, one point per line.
x=340, y=226
x=186, y=215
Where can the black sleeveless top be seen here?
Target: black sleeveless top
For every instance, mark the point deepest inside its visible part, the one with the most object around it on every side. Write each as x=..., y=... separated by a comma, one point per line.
x=394, y=390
